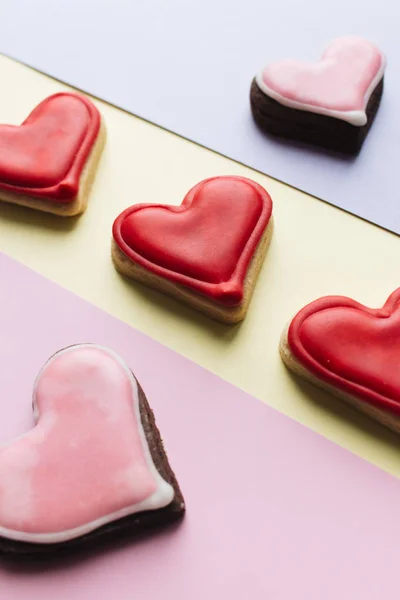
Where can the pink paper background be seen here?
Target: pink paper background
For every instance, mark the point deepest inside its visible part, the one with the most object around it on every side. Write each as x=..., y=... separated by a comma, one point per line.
x=274, y=511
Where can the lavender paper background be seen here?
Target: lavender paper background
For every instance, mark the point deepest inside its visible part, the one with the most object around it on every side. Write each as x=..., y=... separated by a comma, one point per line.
x=187, y=66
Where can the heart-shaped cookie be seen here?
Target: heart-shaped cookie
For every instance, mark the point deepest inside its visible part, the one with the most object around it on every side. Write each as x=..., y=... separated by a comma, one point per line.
x=203, y=250
x=351, y=350
x=93, y=460
x=338, y=85
x=49, y=161
x=342, y=89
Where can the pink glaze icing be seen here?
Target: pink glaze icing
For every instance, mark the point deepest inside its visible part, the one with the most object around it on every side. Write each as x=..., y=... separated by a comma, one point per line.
x=339, y=84
x=86, y=462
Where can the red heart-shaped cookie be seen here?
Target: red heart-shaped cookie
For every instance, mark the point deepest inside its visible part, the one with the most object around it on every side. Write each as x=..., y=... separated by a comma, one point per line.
x=87, y=462
x=44, y=157
x=351, y=347
x=206, y=243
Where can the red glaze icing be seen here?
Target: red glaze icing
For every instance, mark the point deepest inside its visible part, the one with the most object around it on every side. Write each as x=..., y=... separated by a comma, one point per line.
x=352, y=347
x=44, y=157
x=206, y=243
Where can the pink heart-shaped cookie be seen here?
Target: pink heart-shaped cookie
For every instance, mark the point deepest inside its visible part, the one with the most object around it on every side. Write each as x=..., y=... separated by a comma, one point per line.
x=339, y=85
x=87, y=461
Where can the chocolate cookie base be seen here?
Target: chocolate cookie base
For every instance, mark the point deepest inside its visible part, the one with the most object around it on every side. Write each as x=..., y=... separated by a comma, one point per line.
x=312, y=128
x=132, y=525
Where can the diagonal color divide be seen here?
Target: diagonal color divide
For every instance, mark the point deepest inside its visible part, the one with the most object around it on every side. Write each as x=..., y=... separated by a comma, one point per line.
x=274, y=511
x=187, y=66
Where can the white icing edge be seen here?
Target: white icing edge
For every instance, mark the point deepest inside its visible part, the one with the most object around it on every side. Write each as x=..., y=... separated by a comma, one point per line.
x=163, y=495
x=357, y=118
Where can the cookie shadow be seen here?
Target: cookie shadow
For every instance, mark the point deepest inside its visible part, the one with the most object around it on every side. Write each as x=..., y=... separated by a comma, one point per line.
x=70, y=558
x=179, y=311
x=29, y=217
x=291, y=145
x=334, y=406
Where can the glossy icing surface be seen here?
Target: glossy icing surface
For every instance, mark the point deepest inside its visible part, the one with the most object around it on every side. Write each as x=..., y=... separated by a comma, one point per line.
x=206, y=243
x=45, y=156
x=86, y=462
x=340, y=84
x=352, y=347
